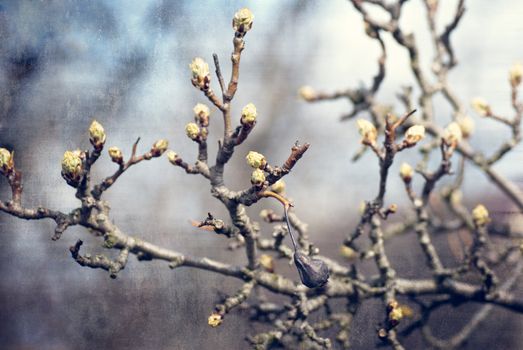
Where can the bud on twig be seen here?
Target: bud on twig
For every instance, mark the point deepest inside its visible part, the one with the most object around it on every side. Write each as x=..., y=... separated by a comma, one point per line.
x=256, y=160
x=97, y=135
x=192, y=130
x=480, y=215
x=215, y=320
x=267, y=262
x=414, y=134
x=172, y=156
x=159, y=147
x=452, y=134
x=249, y=114
x=6, y=161
x=515, y=74
x=200, y=73
x=116, y=155
x=466, y=124
x=242, y=21
x=481, y=106
x=257, y=177
x=307, y=93
x=406, y=172
x=368, y=131
x=72, y=166
x=278, y=186
x=201, y=114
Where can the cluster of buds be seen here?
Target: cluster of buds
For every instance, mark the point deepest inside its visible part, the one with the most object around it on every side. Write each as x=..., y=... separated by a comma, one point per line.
x=72, y=167
x=307, y=93
x=394, y=313
x=242, y=21
x=116, y=155
x=406, y=172
x=201, y=77
x=97, y=135
x=414, y=134
x=6, y=161
x=480, y=215
x=452, y=134
x=466, y=124
x=249, y=114
x=192, y=130
x=159, y=147
x=201, y=114
x=215, y=320
x=516, y=74
x=367, y=131
x=481, y=107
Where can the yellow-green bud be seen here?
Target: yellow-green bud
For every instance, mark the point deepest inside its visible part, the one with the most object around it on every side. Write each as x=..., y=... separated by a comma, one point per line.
x=452, y=134
x=406, y=172
x=480, y=215
x=6, y=160
x=415, y=134
x=249, y=114
x=72, y=164
x=116, y=154
x=200, y=72
x=97, y=135
x=466, y=124
x=192, y=130
x=257, y=177
x=267, y=262
x=215, y=320
x=256, y=160
x=515, y=74
x=159, y=147
x=172, y=156
x=307, y=93
x=368, y=131
x=278, y=186
x=481, y=106
x=201, y=114
x=242, y=21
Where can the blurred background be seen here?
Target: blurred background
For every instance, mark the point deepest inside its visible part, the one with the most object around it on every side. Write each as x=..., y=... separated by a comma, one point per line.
x=125, y=63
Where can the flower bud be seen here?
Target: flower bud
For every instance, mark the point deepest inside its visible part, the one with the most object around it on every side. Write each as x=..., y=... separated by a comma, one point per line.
x=72, y=166
x=159, y=147
x=395, y=315
x=406, y=172
x=367, y=131
x=256, y=160
x=452, y=134
x=307, y=93
x=348, y=252
x=480, y=215
x=215, y=320
x=313, y=272
x=200, y=73
x=172, y=156
x=6, y=161
x=242, y=21
x=267, y=262
x=278, y=186
x=116, y=155
x=415, y=134
x=201, y=114
x=466, y=124
x=249, y=114
x=192, y=130
x=515, y=74
x=257, y=177
x=481, y=106
x=97, y=135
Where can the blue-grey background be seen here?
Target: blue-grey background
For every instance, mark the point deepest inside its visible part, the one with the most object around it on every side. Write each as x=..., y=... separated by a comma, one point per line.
x=125, y=63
